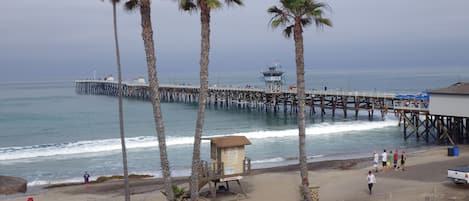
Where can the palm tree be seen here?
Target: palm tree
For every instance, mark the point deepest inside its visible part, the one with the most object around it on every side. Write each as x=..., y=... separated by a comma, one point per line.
x=294, y=15
x=205, y=7
x=147, y=35
x=121, y=113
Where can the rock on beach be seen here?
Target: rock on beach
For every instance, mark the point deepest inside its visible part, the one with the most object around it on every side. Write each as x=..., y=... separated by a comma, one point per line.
x=12, y=185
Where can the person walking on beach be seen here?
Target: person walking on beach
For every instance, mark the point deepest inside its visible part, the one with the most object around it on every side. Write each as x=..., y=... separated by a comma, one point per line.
x=396, y=158
x=384, y=158
x=86, y=178
x=375, y=161
x=371, y=180
x=403, y=159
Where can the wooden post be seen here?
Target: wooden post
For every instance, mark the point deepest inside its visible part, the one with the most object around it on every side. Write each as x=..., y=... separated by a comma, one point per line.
x=405, y=126
x=357, y=104
x=427, y=128
x=344, y=105
x=322, y=106
x=285, y=106
x=334, y=105
x=416, y=121
x=467, y=130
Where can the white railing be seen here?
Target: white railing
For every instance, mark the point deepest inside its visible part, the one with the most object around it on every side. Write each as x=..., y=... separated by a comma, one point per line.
x=253, y=89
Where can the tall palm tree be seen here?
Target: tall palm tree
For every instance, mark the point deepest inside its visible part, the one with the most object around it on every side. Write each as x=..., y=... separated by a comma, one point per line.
x=205, y=7
x=121, y=112
x=147, y=35
x=294, y=15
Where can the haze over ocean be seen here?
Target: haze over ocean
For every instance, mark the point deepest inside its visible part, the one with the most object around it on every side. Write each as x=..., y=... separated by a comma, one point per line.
x=63, y=40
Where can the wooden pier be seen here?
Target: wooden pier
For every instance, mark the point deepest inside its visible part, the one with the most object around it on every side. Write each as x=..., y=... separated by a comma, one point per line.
x=254, y=98
x=413, y=113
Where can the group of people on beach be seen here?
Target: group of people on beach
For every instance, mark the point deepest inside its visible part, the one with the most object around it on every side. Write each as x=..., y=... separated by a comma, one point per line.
x=388, y=161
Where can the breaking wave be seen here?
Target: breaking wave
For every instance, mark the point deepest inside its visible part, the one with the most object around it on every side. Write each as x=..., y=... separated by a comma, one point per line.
x=106, y=146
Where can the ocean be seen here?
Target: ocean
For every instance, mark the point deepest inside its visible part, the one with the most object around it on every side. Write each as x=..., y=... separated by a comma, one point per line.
x=49, y=134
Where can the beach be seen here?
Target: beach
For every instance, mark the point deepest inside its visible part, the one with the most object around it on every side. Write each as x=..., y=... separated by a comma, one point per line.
x=339, y=180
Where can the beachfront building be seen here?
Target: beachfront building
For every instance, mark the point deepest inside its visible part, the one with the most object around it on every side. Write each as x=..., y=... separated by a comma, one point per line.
x=450, y=107
x=450, y=101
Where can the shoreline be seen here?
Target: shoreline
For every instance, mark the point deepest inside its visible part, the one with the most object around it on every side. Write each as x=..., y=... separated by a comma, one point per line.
x=327, y=163
x=339, y=161
x=425, y=175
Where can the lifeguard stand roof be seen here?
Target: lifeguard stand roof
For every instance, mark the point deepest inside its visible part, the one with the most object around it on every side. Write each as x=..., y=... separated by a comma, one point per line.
x=460, y=88
x=229, y=141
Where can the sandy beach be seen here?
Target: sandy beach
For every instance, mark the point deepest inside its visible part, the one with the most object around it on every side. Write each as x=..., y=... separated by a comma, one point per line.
x=340, y=180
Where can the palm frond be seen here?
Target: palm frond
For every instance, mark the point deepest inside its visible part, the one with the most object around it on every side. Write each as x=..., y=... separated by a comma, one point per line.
x=306, y=21
x=279, y=17
x=214, y=4
x=288, y=30
x=321, y=22
x=323, y=6
x=276, y=23
x=187, y=5
x=131, y=5
x=234, y=2
x=274, y=10
x=315, y=12
x=289, y=4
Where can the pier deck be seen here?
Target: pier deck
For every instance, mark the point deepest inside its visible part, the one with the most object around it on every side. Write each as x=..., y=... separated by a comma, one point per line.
x=256, y=98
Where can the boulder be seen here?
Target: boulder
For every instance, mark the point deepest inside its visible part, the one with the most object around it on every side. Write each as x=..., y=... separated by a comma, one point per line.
x=12, y=185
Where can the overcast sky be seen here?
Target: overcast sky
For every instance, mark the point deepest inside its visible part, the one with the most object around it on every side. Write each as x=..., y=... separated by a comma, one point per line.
x=65, y=39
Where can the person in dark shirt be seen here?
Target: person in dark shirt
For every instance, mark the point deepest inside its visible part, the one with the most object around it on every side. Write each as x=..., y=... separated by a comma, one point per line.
x=86, y=177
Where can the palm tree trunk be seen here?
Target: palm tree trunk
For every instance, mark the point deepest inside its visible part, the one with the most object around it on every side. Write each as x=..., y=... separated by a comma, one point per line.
x=300, y=77
x=147, y=34
x=204, y=60
x=121, y=112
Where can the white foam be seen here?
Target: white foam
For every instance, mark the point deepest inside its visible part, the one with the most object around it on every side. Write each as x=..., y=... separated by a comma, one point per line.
x=85, y=147
x=269, y=160
x=322, y=129
x=106, y=146
x=38, y=182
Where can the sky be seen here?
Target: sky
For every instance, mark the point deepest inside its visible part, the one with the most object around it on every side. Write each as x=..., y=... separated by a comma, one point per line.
x=66, y=40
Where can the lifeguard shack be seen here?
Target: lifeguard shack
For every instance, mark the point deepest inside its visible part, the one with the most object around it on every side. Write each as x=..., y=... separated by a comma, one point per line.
x=227, y=162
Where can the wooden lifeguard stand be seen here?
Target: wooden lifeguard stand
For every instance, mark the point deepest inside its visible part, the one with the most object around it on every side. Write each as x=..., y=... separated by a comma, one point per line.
x=227, y=162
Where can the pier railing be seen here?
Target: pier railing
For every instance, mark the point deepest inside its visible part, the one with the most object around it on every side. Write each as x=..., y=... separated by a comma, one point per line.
x=251, y=89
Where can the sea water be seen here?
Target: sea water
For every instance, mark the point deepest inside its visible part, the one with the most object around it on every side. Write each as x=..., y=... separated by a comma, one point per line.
x=49, y=134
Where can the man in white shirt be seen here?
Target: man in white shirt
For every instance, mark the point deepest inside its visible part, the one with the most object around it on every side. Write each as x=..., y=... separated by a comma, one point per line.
x=384, y=158
x=371, y=180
